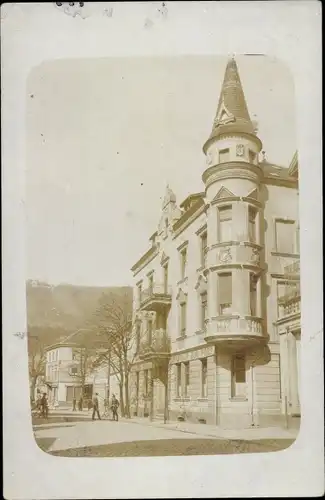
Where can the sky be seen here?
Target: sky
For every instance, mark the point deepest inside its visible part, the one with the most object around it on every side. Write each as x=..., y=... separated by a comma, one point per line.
x=105, y=136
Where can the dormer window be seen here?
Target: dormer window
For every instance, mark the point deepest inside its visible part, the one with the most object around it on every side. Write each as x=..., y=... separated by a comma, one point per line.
x=224, y=155
x=251, y=156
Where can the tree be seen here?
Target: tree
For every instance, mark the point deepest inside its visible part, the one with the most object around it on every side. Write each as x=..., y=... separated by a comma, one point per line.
x=115, y=331
x=36, y=360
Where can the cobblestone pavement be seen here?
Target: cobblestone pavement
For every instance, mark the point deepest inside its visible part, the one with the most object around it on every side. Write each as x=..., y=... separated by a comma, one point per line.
x=78, y=435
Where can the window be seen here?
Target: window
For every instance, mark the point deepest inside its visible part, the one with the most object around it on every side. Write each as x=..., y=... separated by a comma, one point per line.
x=186, y=378
x=74, y=370
x=252, y=224
x=150, y=279
x=140, y=292
x=238, y=376
x=146, y=382
x=178, y=380
x=149, y=333
x=225, y=293
x=137, y=382
x=285, y=233
x=280, y=289
x=204, y=245
x=138, y=335
x=225, y=219
x=224, y=155
x=252, y=156
x=253, y=294
x=204, y=372
x=183, y=318
x=166, y=278
x=204, y=309
x=183, y=262
x=298, y=238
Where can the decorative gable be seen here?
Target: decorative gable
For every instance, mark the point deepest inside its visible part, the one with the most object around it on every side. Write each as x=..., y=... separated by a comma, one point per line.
x=181, y=296
x=253, y=194
x=223, y=193
x=224, y=116
x=201, y=284
x=164, y=257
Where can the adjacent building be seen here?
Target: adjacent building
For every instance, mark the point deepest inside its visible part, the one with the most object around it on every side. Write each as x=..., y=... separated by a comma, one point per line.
x=212, y=318
x=68, y=368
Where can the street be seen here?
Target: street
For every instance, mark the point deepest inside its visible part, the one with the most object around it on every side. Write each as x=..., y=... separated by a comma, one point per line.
x=79, y=436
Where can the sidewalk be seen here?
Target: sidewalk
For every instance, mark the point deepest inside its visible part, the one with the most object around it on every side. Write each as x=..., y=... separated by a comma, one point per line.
x=218, y=432
x=204, y=430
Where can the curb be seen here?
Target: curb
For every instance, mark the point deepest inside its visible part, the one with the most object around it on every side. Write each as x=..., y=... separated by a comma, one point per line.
x=252, y=438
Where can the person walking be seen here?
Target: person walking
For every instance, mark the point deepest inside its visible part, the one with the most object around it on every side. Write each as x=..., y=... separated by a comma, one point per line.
x=106, y=408
x=45, y=406
x=114, y=406
x=96, y=407
x=74, y=403
x=39, y=404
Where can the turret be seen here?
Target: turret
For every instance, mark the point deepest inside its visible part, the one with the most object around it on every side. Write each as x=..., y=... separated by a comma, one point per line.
x=234, y=215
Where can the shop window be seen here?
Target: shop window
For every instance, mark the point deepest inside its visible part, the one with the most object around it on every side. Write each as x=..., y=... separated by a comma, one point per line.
x=238, y=376
x=204, y=373
x=178, y=380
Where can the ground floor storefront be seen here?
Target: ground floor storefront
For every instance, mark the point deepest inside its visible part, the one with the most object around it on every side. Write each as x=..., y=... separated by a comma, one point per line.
x=210, y=385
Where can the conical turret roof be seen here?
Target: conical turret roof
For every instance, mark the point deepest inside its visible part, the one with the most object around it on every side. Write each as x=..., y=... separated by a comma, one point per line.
x=232, y=113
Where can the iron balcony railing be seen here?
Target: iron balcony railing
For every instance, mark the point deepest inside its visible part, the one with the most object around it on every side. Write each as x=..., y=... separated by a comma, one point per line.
x=155, y=292
x=159, y=344
x=292, y=269
x=292, y=294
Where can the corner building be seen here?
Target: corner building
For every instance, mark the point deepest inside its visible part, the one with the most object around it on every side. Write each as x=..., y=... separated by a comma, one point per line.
x=206, y=301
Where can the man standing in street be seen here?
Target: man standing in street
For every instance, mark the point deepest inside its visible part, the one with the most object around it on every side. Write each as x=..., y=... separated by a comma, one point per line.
x=45, y=405
x=114, y=406
x=96, y=407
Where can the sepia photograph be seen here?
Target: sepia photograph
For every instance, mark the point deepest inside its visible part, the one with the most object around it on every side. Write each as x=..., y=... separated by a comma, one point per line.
x=163, y=318
x=162, y=250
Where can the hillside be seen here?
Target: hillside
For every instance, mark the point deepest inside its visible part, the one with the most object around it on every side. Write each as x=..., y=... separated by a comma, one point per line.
x=53, y=312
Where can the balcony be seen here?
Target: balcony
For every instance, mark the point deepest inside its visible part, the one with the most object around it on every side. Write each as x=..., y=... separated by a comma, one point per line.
x=290, y=302
x=233, y=331
x=292, y=270
x=234, y=252
x=156, y=298
x=158, y=349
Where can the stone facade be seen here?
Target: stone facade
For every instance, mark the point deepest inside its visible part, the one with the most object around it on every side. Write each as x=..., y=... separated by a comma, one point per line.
x=206, y=293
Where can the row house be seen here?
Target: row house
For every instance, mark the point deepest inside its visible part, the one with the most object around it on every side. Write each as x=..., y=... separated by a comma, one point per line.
x=205, y=303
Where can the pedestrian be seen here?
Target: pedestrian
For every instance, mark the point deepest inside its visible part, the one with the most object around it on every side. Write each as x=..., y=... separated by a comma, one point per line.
x=106, y=407
x=114, y=406
x=74, y=403
x=45, y=406
x=39, y=404
x=96, y=407
x=80, y=403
